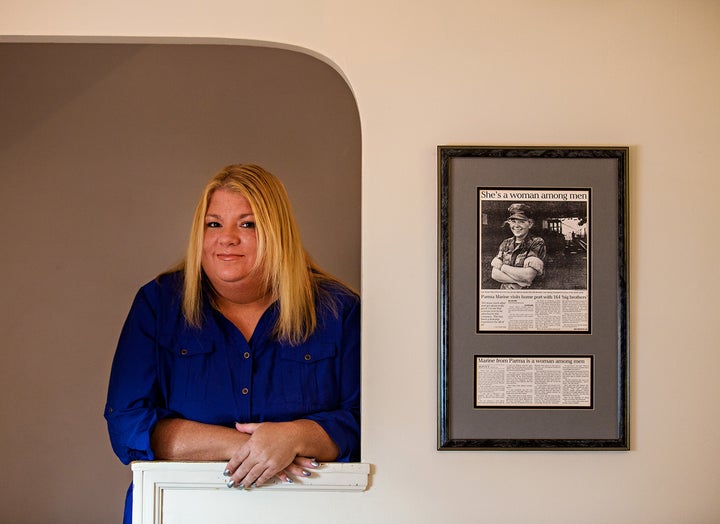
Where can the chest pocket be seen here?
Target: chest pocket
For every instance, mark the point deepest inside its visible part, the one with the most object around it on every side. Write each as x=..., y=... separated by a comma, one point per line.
x=309, y=376
x=187, y=364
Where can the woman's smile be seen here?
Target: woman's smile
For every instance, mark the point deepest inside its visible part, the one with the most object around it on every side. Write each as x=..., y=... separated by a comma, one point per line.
x=519, y=228
x=229, y=257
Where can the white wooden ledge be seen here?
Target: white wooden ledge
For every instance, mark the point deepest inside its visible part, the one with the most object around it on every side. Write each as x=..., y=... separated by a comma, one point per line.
x=158, y=486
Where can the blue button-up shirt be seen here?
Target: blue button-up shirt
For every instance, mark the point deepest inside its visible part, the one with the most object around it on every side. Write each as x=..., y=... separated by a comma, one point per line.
x=164, y=368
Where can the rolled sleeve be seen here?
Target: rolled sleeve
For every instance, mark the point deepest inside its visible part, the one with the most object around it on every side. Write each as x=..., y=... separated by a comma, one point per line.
x=130, y=433
x=535, y=263
x=133, y=407
x=344, y=429
x=343, y=425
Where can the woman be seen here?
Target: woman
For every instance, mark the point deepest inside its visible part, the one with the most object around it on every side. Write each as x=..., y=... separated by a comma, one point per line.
x=247, y=352
x=521, y=258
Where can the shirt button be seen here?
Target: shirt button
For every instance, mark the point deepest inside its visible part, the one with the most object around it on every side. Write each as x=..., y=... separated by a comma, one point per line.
x=183, y=351
x=308, y=357
x=245, y=391
x=246, y=355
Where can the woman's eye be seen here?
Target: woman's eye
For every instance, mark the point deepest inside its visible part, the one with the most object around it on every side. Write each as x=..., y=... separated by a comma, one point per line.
x=212, y=224
x=248, y=225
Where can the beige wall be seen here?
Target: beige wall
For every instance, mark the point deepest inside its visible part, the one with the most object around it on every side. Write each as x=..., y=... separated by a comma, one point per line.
x=642, y=73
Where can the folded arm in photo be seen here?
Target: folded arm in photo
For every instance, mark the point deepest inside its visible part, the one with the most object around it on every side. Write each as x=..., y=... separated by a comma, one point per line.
x=522, y=276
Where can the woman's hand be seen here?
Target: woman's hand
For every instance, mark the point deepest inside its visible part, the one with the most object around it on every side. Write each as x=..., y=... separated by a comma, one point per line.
x=278, y=449
x=269, y=450
x=300, y=467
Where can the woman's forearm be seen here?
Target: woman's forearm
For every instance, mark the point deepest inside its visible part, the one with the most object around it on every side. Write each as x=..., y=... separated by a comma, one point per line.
x=503, y=278
x=522, y=275
x=180, y=439
x=315, y=442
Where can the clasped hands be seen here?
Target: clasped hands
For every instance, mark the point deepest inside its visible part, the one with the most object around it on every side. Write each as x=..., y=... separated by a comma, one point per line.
x=270, y=451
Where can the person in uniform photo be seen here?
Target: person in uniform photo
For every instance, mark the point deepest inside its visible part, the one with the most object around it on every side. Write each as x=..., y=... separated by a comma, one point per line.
x=521, y=258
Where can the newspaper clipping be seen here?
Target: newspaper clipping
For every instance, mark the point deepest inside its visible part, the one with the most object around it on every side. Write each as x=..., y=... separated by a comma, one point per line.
x=533, y=259
x=533, y=382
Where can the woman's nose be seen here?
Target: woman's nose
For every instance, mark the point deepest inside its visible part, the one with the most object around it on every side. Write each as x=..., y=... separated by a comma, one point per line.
x=229, y=238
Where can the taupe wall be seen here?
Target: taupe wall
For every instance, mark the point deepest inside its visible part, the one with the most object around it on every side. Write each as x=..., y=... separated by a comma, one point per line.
x=103, y=151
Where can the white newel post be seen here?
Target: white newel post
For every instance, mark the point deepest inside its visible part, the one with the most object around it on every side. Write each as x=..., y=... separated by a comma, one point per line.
x=189, y=492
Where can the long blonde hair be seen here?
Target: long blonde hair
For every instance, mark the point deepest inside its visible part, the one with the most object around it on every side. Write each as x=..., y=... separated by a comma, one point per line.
x=287, y=271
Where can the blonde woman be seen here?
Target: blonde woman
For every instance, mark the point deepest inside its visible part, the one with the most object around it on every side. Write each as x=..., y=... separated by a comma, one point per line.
x=247, y=352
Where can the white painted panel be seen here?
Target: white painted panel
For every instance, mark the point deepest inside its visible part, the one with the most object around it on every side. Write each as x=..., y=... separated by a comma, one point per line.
x=191, y=492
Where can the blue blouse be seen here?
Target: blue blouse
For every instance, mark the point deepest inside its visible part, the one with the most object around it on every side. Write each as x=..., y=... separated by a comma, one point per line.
x=165, y=369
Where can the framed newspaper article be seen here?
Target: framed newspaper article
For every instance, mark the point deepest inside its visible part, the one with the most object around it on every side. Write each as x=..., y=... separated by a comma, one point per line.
x=533, y=284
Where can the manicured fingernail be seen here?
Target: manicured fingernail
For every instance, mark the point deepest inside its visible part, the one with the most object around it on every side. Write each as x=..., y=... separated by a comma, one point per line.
x=230, y=483
x=241, y=486
x=306, y=473
x=289, y=480
x=226, y=473
x=314, y=463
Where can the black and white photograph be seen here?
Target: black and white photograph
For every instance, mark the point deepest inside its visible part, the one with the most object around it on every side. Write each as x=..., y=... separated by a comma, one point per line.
x=533, y=259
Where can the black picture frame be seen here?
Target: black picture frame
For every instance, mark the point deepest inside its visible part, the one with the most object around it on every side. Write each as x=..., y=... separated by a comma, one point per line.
x=533, y=331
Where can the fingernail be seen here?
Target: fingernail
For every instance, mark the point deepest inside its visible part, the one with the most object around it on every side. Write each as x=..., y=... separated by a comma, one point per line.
x=230, y=483
x=306, y=473
x=289, y=480
x=241, y=486
x=314, y=463
x=226, y=473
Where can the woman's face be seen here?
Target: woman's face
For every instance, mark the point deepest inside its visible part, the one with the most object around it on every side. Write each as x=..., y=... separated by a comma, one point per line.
x=230, y=242
x=520, y=228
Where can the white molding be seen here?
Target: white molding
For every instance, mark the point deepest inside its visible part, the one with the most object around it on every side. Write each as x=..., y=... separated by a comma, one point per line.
x=152, y=480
